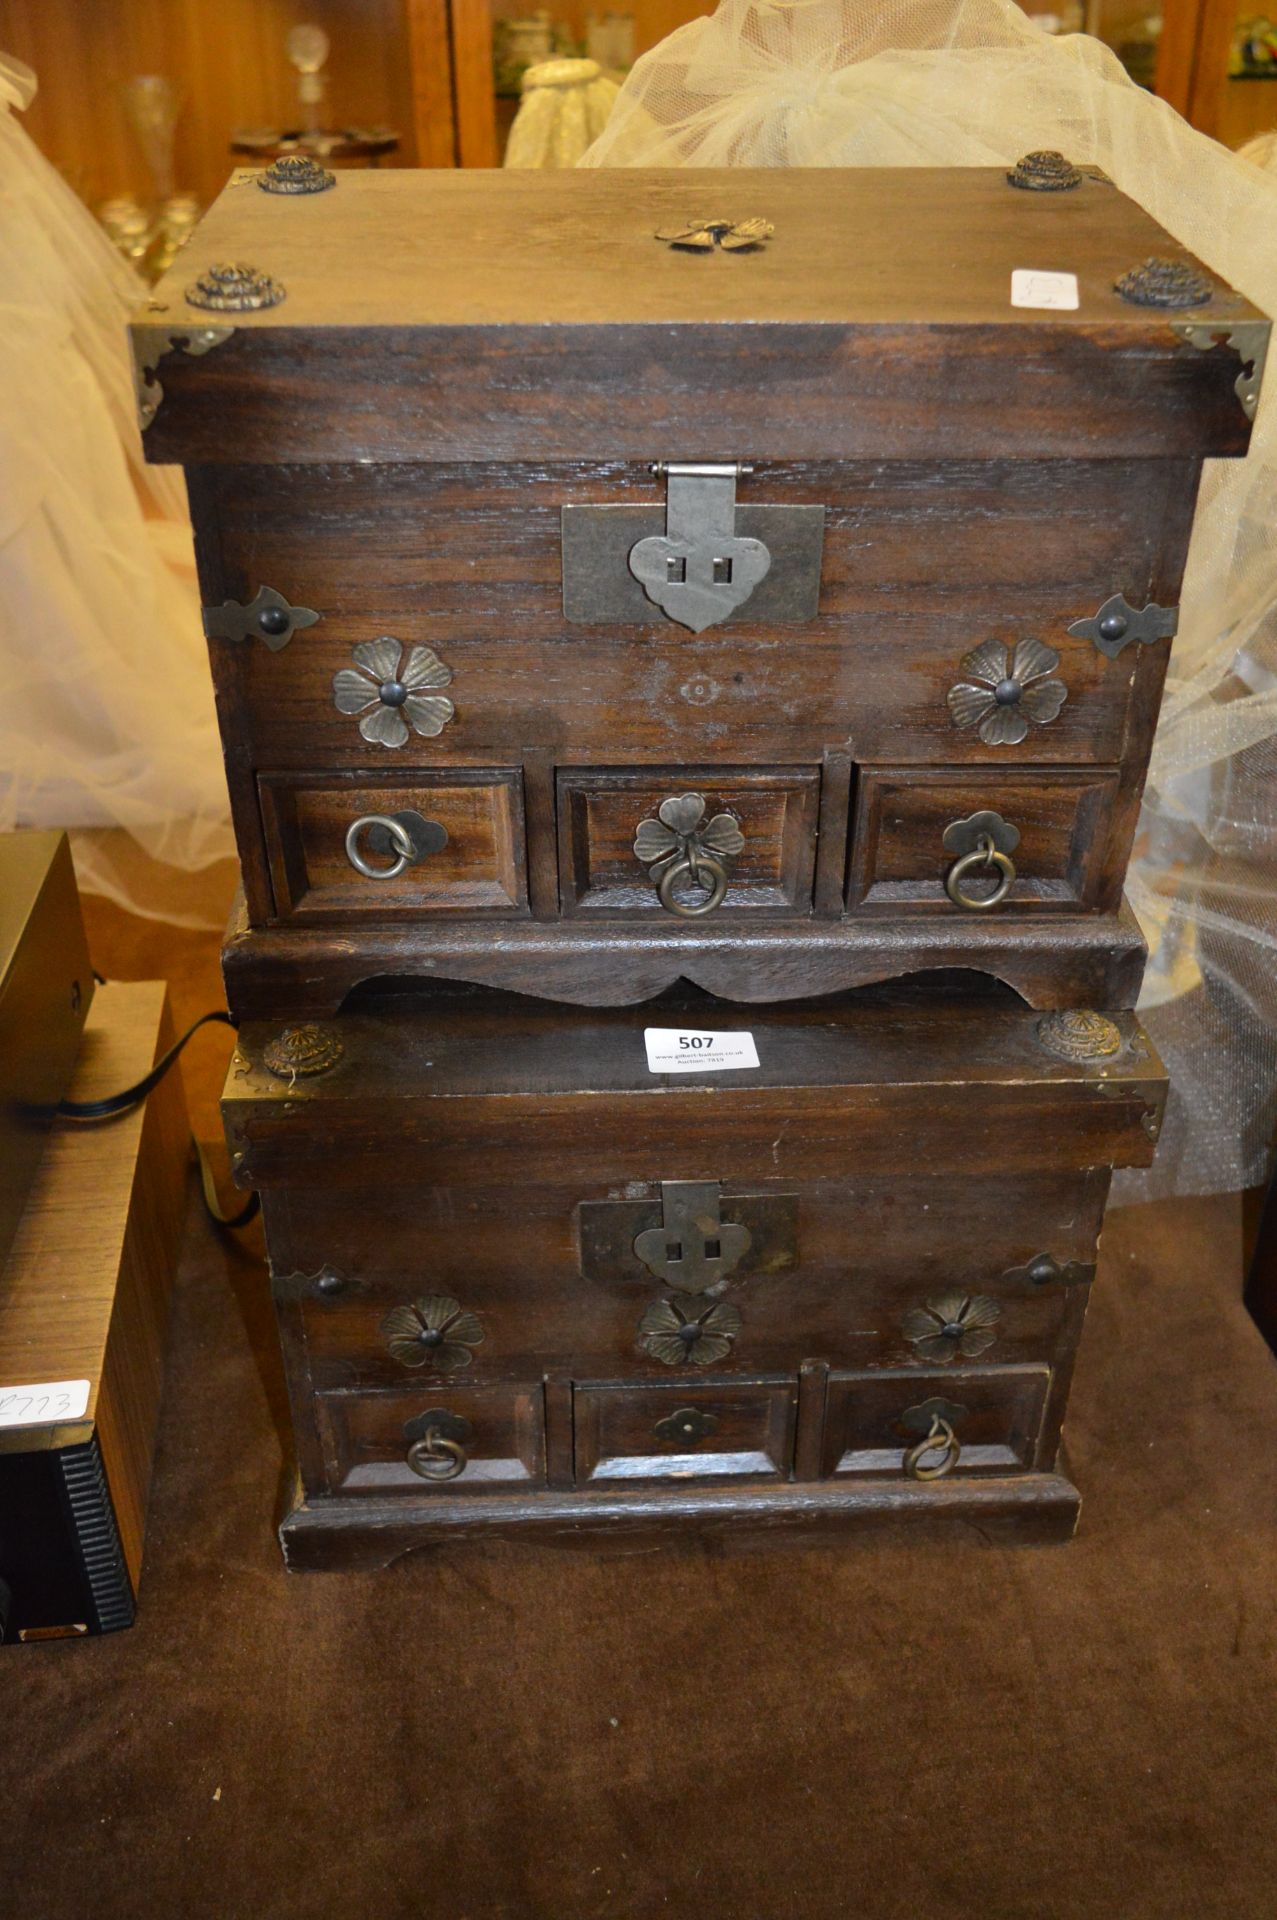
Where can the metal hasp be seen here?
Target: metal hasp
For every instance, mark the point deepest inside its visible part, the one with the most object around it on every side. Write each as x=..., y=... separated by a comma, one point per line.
x=150, y=344
x=1247, y=338
x=700, y=569
x=694, y=1247
x=611, y=1232
x=267, y=617
x=1117, y=623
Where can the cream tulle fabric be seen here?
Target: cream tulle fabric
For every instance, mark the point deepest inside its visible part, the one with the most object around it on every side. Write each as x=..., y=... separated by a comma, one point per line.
x=847, y=83
x=565, y=106
x=107, y=715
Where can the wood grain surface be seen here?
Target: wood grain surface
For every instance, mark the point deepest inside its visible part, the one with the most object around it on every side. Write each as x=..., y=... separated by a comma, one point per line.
x=85, y=1292
x=488, y=316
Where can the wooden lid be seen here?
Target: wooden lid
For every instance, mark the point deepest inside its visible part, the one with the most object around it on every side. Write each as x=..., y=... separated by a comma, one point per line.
x=487, y=315
x=882, y=1081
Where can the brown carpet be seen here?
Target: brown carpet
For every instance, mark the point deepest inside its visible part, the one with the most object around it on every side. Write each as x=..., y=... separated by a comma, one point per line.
x=876, y=1731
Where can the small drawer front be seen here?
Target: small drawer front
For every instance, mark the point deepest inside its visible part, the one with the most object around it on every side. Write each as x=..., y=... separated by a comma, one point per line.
x=994, y=1415
x=713, y=1431
x=468, y=1439
x=1068, y=846
x=461, y=850
x=750, y=833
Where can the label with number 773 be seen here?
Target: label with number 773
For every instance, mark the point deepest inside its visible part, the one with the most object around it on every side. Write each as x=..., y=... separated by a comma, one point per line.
x=691, y=1050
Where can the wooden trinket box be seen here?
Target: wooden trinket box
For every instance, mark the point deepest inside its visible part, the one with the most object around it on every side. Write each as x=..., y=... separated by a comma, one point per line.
x=596, y=600
x=606, y=602
x=525, y=1284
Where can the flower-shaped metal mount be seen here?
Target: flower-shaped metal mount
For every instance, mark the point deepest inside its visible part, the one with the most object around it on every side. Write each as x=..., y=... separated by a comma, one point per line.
x=391, y=692
x=435, y=1331
x=705, y=236
x=267, y=616
x=233, y=287
x=1004, y=691
x=692, y=1332
x=686, y=1428
x=681, y=844
x=1079, y=1033
x=295, y=173
x=952, y=1325
x=1044, y=171
x=1158, y=282
x=1115, y=624
x=298, y=1053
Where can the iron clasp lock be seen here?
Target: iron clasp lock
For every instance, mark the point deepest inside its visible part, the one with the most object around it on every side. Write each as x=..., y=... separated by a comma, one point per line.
x=694, y=1247
x=700, y=569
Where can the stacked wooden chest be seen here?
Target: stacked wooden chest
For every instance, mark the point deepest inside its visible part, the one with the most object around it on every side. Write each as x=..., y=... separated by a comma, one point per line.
x=664, y=619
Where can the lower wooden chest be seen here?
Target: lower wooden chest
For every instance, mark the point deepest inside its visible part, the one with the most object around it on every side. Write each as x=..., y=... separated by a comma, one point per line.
x=525, y=1284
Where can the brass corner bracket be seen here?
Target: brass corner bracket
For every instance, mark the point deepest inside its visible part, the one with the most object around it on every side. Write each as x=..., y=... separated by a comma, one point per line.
x=1249, y=341
x=150, y=344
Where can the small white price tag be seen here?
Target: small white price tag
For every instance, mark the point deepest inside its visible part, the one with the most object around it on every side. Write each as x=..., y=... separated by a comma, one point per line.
x=1031, y=288
x=688, y=1050
x=43, y=1404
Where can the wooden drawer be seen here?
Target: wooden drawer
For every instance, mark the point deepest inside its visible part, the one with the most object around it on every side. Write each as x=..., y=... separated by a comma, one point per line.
x=723, y=1430
x=479, y=869
x=1074, y=829
x=770, y=816
x=995, y=1415
x=474, y=1438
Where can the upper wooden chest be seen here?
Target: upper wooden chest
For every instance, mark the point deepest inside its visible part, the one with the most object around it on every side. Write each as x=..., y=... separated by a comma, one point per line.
x=612, y=577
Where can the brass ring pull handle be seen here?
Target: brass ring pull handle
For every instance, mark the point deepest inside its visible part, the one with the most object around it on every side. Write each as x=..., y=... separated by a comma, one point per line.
x=940, y=1438
x=692, y=867
x=407, y=837
x=435, y=1457
x=985, y=856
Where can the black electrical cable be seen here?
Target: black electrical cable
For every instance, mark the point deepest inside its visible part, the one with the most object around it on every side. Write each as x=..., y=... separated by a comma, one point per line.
x=114, y=1104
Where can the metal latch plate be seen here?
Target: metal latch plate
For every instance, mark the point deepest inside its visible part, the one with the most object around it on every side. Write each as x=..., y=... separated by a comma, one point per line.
x=600, y=590
x=611, y=1229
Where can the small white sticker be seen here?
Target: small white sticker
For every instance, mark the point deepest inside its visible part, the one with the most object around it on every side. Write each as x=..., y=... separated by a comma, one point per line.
x=44, y=1404
x=1031, y=288
x=688, y=1050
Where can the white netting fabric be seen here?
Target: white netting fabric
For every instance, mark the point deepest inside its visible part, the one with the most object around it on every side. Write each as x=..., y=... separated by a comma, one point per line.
x=106, y=719
x=851, y=83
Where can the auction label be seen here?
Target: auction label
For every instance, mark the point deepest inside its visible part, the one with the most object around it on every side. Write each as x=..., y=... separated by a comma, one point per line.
x=687, y=1050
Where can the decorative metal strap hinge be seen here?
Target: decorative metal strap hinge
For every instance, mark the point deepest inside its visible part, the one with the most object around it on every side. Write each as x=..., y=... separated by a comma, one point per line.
x=1249, y=341
x=267, y=616
x=684, y=1240
x=700, y=569
x=1115, y=624
x=150, y=344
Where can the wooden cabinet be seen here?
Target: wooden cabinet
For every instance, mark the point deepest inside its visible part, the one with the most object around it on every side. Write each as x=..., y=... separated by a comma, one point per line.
x=607, y=637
